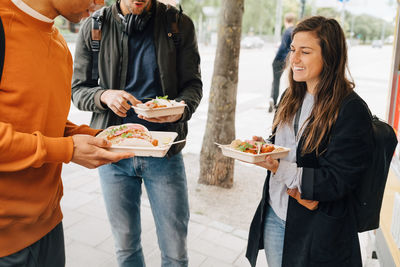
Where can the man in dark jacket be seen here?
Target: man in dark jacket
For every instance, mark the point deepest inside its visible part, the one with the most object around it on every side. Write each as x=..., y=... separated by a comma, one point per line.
x=140, y=58
x=278, y=65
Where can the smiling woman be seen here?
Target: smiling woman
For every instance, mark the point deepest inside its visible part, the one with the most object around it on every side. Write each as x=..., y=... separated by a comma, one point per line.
x=327, y=126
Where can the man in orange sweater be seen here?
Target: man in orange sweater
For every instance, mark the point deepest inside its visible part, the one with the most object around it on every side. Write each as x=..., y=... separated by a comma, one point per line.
x=35, y=135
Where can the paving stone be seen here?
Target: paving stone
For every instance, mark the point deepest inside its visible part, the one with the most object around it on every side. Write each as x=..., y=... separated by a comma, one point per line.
x=199, y=219
x=71, y=217
x=110, y=263
x=107, y=246
x=90, y=231
x=147, y=220
x=210, y=262
x=95, y=208
x=74, y=199
x=76, y=180
x=261, y=259
x=211, y=234
x=231, y=242
x=195, y=229
x=195, y=258
x=81, y=255
x=153, y=259
x=70, y=168
x=145, y=201
x=241, y=234
x=67, y=240
x=221, y=226
x=210, y=250
x=91, y=187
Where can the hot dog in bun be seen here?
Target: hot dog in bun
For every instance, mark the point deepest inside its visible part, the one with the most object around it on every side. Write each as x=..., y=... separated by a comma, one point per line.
x=129, y=134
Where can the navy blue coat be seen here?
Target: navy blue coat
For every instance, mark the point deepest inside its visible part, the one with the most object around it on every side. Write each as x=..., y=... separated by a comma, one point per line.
x=327, y=236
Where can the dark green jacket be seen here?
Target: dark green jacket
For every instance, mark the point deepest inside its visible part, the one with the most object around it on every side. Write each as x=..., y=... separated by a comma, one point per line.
x=179, y=68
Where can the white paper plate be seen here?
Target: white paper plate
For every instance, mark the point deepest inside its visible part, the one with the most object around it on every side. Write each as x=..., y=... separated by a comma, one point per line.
x=228, y=151
x=164, y=143
x=178, y=108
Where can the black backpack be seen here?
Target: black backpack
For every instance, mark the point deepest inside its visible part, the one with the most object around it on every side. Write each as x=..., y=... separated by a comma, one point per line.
x=367, y=198
x=2, y=48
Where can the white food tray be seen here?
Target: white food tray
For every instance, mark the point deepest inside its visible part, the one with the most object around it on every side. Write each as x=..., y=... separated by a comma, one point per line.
x=164, y=143
x=178, y=108
x=228, y=151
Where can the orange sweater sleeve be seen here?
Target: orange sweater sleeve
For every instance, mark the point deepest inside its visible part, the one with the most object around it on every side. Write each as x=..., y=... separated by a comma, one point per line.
x=22, y=150
x=71, y=129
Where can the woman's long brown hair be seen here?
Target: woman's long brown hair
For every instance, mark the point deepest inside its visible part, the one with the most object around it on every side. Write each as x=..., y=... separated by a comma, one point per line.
x=332, y=88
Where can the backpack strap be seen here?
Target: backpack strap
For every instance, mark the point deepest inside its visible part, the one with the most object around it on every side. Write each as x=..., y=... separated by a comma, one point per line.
x=173, y=17
x=2, y=47
x=97, y=23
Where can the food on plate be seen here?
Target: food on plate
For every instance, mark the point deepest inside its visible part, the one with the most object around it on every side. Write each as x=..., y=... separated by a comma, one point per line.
x=254, y=147
x=130, y=134
x=158, y=102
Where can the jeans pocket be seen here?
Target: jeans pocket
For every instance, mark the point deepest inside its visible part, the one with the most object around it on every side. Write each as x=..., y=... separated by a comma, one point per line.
x=331, y=240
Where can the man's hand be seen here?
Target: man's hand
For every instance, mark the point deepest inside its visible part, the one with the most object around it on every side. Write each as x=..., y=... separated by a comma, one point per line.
x=117, y=101
x=89, y=152
x=164, y=119
x=269, y=164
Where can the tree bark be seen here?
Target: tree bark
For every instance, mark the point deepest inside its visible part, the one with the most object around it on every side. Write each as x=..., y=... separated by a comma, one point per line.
x=216, y=169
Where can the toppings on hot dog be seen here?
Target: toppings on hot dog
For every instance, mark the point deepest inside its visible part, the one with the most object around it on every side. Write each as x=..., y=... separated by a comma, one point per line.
x=130, y=134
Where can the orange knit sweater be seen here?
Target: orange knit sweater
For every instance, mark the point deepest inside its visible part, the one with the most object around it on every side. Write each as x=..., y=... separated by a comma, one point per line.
x=35, y=94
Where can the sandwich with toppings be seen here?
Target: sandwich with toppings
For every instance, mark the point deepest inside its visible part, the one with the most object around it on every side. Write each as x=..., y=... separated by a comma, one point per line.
x=129, y=134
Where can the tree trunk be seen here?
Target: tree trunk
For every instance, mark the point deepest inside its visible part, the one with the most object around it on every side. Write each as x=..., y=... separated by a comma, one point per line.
x=215, y=169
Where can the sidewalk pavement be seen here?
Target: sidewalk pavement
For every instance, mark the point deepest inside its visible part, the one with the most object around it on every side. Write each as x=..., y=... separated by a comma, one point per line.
x=89, y=242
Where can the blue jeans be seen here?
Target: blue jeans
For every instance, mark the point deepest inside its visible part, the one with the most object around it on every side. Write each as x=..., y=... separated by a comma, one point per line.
x=274, y=234
x=165, y=182
x=49, y=251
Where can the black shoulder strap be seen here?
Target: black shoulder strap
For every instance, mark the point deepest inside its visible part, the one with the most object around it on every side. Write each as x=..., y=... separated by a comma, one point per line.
x=296, y=120
x=173, y=17
x=2, y=47
x=97, y=22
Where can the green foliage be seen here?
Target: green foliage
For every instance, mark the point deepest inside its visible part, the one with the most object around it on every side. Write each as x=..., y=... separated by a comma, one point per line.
x=194, y=8
x=259, y=16
x=328, y=12
x=368, y=28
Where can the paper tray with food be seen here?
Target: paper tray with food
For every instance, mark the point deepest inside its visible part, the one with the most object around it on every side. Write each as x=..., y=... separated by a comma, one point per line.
x=159, y=107
x=136, y=138
x=253, y=151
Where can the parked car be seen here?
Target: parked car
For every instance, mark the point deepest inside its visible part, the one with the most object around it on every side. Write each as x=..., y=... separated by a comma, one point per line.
x=377, y=44
x=252, y=42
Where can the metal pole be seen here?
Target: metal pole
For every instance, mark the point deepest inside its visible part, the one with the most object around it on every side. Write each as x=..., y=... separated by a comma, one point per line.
x=383, y=31
x=303, y=5
x=278, y=21
x=343, y=12
x=313, y=8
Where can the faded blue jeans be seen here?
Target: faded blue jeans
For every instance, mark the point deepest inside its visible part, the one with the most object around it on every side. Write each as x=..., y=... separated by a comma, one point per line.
x=274, y=234
x=165, y=182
